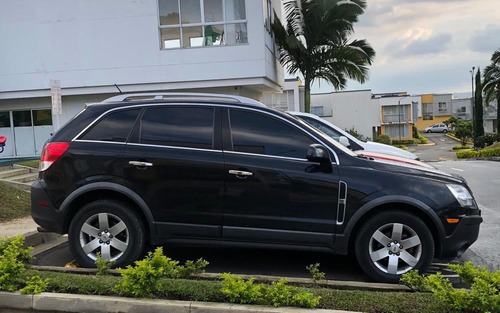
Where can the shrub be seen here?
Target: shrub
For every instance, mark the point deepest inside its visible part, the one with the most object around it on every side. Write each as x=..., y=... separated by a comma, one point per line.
x=35, y=285
x=478, y=154
x=315, y=273
x=278, y=294
x=240, y=291
x=103, y=265
x=483, y=296
x=142, y=279
x=384, y=139
x=12, y=256
x=460, y=147
x=403, y=142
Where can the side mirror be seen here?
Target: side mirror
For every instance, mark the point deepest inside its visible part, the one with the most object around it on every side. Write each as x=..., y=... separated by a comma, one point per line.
x=318, y=153
x=343, y=140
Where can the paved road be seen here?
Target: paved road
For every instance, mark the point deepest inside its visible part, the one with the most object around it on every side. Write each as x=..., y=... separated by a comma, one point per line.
x=484, y=179
x=441, y=151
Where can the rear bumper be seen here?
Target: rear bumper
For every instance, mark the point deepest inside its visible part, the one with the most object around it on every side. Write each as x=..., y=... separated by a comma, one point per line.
x=42, y=211
x=462, y=238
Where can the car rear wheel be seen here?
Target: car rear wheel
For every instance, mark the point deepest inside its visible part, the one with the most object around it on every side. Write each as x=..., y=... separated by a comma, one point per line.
x=393, y=243
x=109, y=228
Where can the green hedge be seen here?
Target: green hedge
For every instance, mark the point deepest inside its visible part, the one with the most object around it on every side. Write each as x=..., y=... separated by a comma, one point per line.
x=478, y=154
x=403, y=142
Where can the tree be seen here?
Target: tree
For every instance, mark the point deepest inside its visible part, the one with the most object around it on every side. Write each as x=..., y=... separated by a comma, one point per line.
x=464, y=132
x=478, y=107
x=491, y=84
x=316, y=42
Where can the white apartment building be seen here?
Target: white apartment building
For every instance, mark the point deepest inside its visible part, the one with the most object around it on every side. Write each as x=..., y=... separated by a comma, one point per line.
x=349, y=110
x=96, y=49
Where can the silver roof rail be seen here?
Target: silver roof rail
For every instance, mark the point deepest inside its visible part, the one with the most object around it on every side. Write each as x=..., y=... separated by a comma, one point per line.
x=182, y=96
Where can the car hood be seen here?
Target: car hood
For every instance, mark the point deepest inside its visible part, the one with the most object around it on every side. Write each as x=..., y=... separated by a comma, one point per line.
x=415, y=170
x=391, y=157
x=386, y=149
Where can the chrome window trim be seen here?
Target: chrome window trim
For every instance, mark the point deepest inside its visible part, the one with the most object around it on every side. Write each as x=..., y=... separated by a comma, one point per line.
x=142, y=105
x=172, y=147
x=100, y=141
x=265, y=155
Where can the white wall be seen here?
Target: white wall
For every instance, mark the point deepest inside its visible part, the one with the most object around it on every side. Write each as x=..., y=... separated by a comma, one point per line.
x=351, y=109
x=101, y=43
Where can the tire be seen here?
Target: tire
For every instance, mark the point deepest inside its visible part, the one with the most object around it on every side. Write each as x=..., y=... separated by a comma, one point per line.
x=380, y=250
x=429, y=131
x=109, y=227
x=445, y=131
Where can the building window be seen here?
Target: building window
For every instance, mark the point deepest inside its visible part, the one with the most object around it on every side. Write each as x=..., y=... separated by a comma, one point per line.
x=396, y=113
x=397, y=131
x=442, y=107
x=427, y=112
x=197, y=23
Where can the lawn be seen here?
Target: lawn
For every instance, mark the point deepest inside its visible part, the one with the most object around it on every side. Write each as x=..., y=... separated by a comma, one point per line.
x=14, y=203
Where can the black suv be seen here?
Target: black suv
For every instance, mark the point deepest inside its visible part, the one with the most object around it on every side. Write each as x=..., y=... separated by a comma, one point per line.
x=219, y=170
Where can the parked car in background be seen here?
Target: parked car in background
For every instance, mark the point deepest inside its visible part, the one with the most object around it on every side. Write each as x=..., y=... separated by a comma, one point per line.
x=350, y=141
x=220, y=170
x=437, y=128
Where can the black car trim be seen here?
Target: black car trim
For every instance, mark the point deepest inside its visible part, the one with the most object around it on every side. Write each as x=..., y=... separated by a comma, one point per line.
x=114, y=187
x=260, y=110
x=341, y=202
x=278, y=236
x=342, y=240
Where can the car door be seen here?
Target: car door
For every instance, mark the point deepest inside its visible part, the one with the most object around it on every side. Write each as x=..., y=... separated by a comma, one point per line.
x=175, y=163
x=272, y=193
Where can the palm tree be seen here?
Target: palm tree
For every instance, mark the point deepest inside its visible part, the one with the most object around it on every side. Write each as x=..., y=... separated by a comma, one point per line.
x=316, y=42
x=491, y=83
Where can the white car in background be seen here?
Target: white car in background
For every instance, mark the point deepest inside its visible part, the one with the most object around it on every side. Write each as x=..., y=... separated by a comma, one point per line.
x=350, y=141
x=437, y=128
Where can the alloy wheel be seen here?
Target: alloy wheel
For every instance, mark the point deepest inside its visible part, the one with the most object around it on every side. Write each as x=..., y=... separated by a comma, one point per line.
x=395, y=248
x=106, y=234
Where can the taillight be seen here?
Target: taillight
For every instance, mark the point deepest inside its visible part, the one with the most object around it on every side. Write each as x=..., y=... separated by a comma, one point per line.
x=51, y=153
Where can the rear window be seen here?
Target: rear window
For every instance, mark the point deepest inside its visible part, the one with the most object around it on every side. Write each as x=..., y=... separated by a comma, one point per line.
x=114, y=127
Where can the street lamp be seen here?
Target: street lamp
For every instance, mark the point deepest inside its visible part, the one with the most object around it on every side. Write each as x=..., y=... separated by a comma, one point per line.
x=472, y=96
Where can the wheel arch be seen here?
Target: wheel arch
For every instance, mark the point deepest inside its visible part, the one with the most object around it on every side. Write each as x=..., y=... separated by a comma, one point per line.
x=105, y=190
x=408, y=204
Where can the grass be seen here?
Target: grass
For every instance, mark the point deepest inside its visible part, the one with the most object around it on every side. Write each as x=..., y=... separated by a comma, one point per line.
x=31, y=163
x=210, y=291
x=14, y=203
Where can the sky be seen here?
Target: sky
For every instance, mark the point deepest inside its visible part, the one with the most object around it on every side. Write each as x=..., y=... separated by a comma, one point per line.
x=426, y=46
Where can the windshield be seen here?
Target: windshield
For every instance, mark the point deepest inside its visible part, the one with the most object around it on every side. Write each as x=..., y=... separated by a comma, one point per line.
x=324, y=136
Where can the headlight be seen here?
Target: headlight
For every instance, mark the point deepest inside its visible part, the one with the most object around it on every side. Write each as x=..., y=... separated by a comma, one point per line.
x=462, y=195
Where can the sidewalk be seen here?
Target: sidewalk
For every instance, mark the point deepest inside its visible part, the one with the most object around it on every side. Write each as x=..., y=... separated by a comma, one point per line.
x=24, y=225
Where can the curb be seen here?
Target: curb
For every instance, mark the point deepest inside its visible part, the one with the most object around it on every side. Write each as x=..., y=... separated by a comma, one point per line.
x=63, y=302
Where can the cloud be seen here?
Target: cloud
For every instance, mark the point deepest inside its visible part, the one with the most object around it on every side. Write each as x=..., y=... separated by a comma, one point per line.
x=484, y=40
x=417, y=45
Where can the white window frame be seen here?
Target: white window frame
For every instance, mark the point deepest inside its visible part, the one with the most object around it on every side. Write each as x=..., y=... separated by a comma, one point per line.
x=203, y=24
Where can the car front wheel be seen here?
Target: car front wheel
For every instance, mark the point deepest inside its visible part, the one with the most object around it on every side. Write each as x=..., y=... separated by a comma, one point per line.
x=109, y=228
x=393, y=243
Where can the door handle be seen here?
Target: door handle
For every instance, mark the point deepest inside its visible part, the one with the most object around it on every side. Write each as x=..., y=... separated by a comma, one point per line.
x=140, y=163
x=240, y=173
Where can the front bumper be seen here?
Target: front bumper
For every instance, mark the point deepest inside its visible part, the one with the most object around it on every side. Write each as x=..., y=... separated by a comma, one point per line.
x=42, y=211
x=462, y=238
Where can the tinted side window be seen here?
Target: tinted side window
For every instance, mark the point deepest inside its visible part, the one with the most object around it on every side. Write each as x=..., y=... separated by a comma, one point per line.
x=178, y=126
x=258, y=133
x=327, y=130
x=113, y=127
